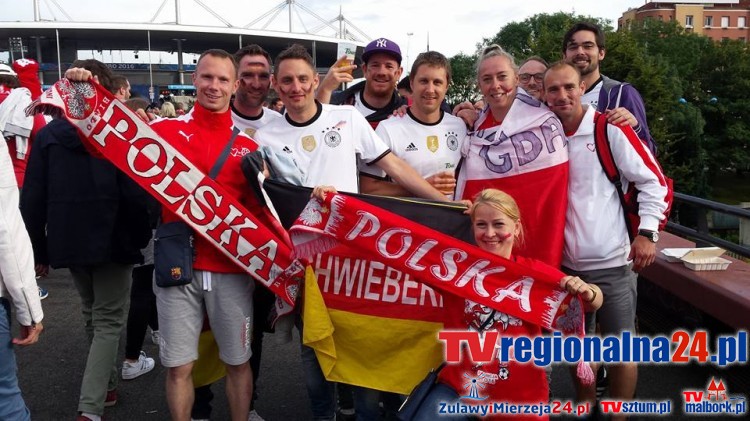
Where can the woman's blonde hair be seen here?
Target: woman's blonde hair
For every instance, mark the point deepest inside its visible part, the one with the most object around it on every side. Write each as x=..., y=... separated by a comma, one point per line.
x=503, y=202
x=495, y=50
x=167, y=110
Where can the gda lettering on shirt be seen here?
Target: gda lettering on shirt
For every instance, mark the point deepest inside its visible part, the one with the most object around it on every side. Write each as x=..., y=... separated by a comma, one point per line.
x=527, y=145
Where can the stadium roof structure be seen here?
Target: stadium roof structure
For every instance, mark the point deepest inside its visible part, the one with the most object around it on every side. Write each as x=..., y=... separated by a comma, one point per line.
x=74, y=36
x=56, y=44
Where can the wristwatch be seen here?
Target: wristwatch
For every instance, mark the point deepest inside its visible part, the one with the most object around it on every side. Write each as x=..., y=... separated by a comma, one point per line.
x=652, y=236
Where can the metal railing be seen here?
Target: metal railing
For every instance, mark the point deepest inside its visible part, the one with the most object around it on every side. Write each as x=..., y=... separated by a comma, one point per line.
x=701, y=235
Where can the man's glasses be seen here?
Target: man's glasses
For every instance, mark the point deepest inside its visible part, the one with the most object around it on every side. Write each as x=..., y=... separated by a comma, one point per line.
x=526, y=77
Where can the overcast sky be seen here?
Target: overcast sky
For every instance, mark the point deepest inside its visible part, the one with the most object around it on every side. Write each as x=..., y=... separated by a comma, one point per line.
x=453, y=25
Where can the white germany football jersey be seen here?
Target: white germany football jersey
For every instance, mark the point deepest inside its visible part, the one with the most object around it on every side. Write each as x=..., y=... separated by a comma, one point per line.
x=250, y=125
x=328, y=146
x=428, y=148
x=362, y=106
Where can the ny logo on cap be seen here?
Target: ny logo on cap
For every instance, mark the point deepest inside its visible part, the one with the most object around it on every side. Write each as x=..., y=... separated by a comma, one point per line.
x=381, y=43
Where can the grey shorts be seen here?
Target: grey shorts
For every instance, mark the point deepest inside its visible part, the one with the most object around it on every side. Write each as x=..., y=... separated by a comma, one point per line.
x=619, y=286
x=228, y=301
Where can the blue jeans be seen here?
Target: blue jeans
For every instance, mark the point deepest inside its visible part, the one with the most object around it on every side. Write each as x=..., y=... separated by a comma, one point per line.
x=367, y=404
x=322, y=392
x=441, y=393
x=12, y=406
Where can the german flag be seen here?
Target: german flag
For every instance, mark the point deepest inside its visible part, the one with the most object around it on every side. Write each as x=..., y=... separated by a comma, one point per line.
x=372, y=325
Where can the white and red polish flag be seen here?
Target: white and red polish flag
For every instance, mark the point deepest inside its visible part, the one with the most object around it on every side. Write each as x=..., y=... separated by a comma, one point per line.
x=526, y=156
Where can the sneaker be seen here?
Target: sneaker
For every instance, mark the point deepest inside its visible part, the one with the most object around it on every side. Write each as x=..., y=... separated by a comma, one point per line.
x=111, y=398
x=602, y=383
x=43, y=293
x=142, y=366
x=254, y=416
x=155, y=337
x=346, y=414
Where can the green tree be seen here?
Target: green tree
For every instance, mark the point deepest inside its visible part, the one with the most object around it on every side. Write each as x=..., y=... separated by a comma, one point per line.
x=724, y=76
x=540, y=35
x=463, y=85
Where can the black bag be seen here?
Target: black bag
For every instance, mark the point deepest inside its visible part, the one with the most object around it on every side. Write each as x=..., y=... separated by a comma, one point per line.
x=173, y=243
x=173, y=254
x=414, y=401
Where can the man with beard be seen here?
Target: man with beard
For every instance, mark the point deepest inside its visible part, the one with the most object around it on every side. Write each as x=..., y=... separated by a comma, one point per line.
x=122, y=87
x=254, y=74
x=583, y=47
x=376, y=98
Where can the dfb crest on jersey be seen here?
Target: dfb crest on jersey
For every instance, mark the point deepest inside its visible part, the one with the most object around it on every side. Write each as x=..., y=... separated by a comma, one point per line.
x=432, y=143
x=309, y=143
x=250, y=131
x=452, y=141
x=332, y=138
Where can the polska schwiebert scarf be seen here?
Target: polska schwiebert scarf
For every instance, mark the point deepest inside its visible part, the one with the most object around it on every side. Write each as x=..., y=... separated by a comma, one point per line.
x=440, y=261
x=114, y=132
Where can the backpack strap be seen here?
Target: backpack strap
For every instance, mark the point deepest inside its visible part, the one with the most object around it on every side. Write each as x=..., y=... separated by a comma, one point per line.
x=607, y=85
x=604, y=153
x=223, y=156
x=603, y=149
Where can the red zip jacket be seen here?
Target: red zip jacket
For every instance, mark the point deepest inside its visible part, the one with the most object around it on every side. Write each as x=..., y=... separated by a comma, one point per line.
x=200, y=136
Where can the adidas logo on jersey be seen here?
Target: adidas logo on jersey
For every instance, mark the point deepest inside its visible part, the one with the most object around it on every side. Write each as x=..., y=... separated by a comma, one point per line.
x=412, y=147
x=286, y=149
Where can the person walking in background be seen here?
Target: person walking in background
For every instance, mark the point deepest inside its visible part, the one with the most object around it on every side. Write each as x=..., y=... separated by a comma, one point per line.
x=121, y=85
x=98, y=241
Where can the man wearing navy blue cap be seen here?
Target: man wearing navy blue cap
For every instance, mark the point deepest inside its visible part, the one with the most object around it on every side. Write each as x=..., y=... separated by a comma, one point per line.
x=376, y=97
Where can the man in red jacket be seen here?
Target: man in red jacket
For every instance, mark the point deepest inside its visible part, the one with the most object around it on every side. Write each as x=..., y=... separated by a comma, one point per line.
x=219, y=286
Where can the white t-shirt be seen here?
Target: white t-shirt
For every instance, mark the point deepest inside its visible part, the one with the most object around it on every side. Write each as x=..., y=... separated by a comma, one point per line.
x=327, y=146
x=250, y=125
x=428, y=148
x=592, y=95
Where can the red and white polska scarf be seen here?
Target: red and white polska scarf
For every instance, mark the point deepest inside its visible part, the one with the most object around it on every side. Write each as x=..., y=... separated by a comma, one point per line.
x=437, y=259
x=440, y=261
x=117, y=134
